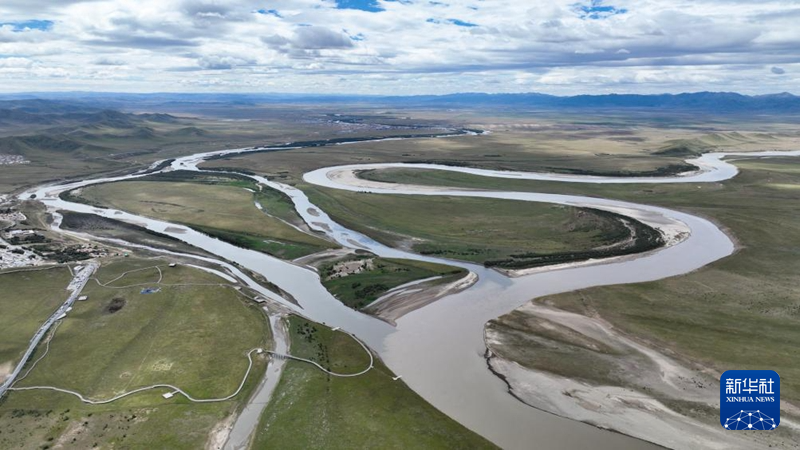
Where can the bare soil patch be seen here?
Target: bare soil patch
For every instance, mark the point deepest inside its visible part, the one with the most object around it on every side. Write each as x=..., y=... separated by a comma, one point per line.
x=116, y=304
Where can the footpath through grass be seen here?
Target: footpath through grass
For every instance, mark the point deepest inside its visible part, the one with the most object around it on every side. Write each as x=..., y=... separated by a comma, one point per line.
x=359, y=281
x=223, y=207
x=312, y=410
x=194, y=337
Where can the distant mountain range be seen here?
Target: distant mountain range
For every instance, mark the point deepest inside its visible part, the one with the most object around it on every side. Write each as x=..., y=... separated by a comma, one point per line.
x=711, y=102
x=41, y=128
x=61, y=112
x=720, y=102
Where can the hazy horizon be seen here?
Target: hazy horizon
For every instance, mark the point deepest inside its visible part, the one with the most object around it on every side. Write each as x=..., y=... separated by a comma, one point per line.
x=400, y=95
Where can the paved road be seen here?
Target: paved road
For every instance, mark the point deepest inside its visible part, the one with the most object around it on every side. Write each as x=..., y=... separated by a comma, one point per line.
x=76, y=286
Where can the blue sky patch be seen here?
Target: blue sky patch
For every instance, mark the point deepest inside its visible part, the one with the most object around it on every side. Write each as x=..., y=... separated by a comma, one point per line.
x=270, y=12
x=461, y=23
x=597, y=10
x=363, y=5
x=22, y=25
x=457, y=22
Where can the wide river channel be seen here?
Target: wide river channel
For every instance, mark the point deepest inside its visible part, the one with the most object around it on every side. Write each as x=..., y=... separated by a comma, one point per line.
x=439, y=349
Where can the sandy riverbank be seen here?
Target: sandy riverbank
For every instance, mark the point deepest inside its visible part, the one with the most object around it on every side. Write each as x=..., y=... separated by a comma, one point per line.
x=648, y=383
x=400, y=302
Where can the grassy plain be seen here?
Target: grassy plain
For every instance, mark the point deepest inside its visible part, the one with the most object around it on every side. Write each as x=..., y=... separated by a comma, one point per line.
x=224, y=209
x=358, y=290
x=613, y=144
x=311, y=410
x=470, y=229
x=492, y=151
x=41, y=170
x=28, y=298
x=81, y=146
x=717, y=316
x=621, y=144
x=92, y=149
x=193, y=336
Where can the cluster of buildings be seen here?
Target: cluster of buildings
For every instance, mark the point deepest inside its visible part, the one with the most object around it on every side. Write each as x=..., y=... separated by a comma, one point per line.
x=14, y=256
x=7, y=160
x=19, y=234
x=11, y=216
x=24, y=247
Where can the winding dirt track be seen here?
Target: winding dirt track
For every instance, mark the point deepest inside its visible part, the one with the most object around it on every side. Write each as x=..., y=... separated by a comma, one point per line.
x=147, y=388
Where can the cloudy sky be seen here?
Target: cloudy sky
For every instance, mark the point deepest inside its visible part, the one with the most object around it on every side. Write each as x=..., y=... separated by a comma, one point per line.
x=400, y=46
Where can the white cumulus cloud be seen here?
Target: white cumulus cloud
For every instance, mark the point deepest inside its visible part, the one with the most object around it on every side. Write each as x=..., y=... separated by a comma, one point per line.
x=402, y=47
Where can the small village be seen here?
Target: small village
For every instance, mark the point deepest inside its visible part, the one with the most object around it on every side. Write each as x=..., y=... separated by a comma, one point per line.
x=25, y=247
x=8, y=160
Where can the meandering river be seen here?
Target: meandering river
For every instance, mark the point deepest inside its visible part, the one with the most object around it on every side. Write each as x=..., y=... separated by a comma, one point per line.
x=439, y=349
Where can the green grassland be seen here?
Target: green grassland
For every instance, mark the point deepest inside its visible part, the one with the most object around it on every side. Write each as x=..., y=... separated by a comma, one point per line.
x=311, y=410
x=717, y=316
x=279, y=205
x=28, y=298
x=221, y=207
x=60, y=146
x=90, y=148
x=358, y=290
x=193, y=336
x=523, y=237
x=625, y=144
x=519, y=149
x=503, y=233
x=102, y=142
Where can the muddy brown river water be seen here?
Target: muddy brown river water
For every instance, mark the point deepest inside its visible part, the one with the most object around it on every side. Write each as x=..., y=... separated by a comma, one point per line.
x=439, y=349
